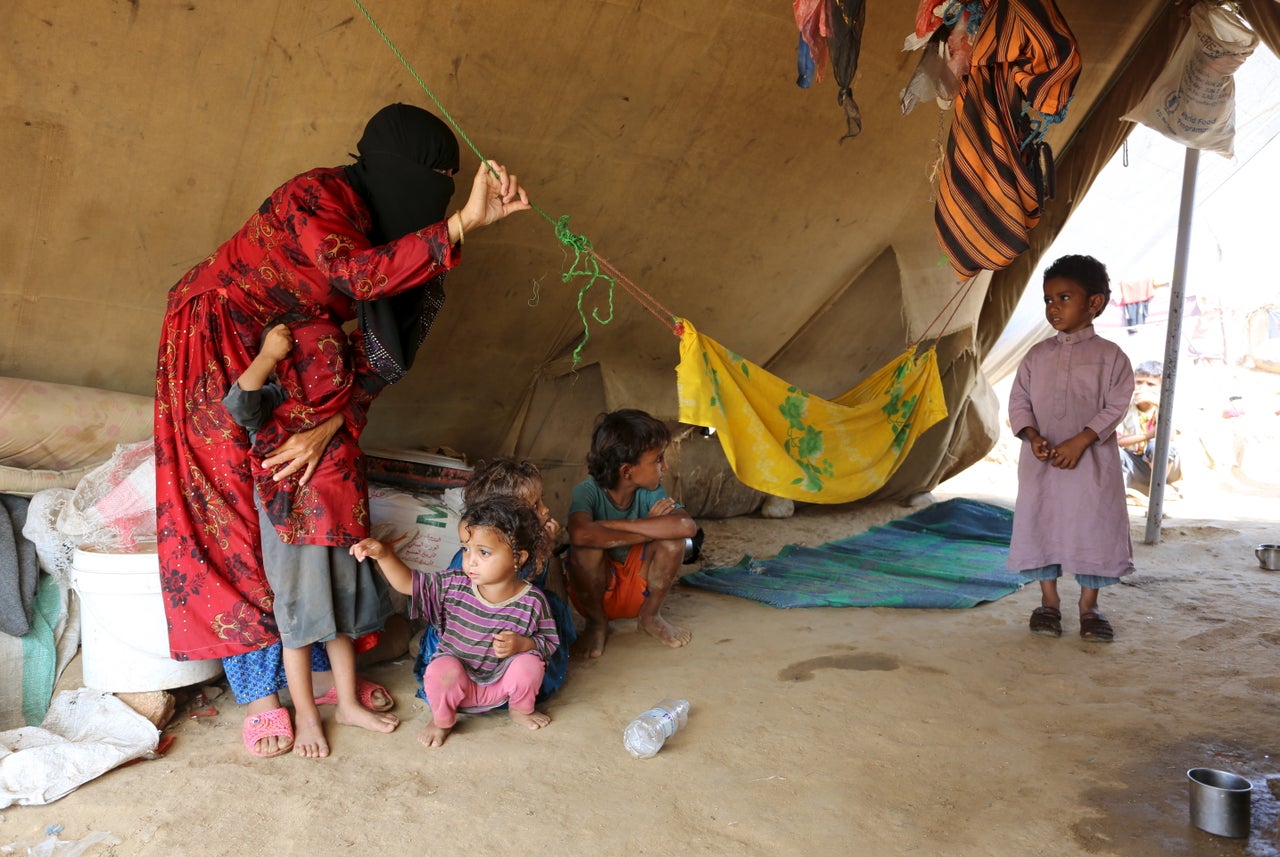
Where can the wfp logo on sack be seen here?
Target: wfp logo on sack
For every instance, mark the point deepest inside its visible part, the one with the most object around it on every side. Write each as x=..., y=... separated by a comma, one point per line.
x=435, y=516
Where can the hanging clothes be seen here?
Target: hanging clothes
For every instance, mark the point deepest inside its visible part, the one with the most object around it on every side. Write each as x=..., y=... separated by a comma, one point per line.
x=998, y=171
x=781, y=440
x=832, y=28
x=815, y=28
x=848, y=20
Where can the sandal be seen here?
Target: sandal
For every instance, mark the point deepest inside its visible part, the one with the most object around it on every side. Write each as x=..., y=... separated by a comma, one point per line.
x=269, y=724
x=365, y=690
x=1047, y=621
x=1095, y=628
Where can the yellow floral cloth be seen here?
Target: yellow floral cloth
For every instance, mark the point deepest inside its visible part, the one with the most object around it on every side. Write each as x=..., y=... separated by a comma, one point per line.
x=781, y=440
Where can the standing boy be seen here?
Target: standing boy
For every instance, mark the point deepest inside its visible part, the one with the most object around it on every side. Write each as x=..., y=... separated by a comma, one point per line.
x=626, y=536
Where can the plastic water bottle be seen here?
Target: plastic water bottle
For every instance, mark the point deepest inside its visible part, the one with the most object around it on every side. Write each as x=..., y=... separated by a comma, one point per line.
x=645, y=735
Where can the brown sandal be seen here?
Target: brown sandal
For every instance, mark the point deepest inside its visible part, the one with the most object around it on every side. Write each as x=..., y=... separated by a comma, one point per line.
x=1095, y=628
x=1047, y=621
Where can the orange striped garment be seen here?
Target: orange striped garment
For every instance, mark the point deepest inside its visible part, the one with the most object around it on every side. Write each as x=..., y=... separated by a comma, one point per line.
x=992, y=184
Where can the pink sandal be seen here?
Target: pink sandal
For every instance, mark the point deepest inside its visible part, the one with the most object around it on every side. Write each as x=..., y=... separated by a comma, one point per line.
x=365, y=690
x=269, y=724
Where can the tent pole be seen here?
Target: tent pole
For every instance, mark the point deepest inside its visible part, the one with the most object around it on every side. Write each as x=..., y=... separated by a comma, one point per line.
x=1164, y=425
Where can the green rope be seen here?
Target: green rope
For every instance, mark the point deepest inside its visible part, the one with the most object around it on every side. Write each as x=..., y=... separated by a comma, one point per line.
x=584, y=259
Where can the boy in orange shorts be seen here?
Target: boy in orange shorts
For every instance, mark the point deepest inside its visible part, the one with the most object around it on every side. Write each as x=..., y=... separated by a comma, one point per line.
x=626, y=536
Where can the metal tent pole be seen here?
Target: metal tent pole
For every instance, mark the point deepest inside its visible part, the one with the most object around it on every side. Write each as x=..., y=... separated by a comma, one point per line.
x=1164, y=423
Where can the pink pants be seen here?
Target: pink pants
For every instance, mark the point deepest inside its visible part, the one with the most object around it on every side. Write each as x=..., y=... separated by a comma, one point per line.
x=448, y=687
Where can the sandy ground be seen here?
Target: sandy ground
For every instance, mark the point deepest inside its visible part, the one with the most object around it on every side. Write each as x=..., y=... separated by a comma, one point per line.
x=817, y=731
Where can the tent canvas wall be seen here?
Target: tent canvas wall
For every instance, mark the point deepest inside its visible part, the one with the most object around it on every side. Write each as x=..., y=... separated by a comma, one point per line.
x=141, y=135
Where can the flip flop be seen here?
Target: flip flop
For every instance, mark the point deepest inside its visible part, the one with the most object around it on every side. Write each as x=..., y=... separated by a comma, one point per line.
x=1047, y=621
x=365, y=690
x=1095, y=628
x=269, y=724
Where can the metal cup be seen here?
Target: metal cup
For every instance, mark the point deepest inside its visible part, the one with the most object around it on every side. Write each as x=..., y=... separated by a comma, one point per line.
x=1268, y=556
x=1220, y=802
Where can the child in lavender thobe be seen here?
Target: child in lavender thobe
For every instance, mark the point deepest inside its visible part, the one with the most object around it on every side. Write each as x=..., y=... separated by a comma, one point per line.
x=1068, y=396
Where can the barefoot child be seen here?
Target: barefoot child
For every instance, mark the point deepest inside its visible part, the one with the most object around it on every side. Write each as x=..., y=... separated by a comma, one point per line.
x=321, y=593
x=496, y=630
x=626, y=536
x=1069, y=394
x=507, y=477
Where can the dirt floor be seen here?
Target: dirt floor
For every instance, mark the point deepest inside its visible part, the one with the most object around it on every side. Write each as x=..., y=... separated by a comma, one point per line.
x=816, y=731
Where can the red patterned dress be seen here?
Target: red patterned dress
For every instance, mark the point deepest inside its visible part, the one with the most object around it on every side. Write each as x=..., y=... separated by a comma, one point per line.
x=304, y=251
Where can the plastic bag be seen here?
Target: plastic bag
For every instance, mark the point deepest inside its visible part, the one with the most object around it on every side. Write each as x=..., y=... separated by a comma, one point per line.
x=1193, y=100
x=932, y=78
x=114, y=506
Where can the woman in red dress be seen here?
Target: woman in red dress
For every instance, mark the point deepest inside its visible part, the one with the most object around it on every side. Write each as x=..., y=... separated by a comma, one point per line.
x=369, y=241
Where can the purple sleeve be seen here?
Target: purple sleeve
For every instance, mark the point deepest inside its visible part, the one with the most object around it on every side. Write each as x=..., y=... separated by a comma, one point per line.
x=1116, y=399
x=426, y=597
x=545, y=636
x=1021, y=415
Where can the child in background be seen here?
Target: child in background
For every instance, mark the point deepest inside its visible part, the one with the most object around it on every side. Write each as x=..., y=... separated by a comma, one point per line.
x=507, y=477
x=626, y=536
x=496, y=630
x=1138, y=431
x=1068, y=396
x=321, y=593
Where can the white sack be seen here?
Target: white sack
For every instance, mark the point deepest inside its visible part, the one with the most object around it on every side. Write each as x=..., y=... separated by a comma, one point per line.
x=85, y=734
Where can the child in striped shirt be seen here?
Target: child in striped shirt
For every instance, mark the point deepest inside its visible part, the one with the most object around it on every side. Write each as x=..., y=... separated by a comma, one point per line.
x=496, y=630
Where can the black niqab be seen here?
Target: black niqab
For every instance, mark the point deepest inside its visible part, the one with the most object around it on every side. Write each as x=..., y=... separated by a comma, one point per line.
x=396, y=173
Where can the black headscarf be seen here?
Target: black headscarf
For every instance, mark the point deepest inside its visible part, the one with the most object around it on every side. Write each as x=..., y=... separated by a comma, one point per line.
x=396, y=174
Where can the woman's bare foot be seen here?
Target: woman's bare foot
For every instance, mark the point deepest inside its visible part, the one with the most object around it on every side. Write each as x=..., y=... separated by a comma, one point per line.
x=532, y=720
x=433, y=735
x=309, y=737
x=673, y=635
x=360, y=716
x=591, y=643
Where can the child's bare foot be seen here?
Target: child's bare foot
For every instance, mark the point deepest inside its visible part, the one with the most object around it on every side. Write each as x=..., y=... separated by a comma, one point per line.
x=591, y=643
x=533, y=720
x=360, y=716
x=673, y=635
x=433, y=735
x=309, y=738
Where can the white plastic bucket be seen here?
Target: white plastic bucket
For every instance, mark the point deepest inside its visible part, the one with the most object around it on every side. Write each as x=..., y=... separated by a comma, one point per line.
x=124, y=636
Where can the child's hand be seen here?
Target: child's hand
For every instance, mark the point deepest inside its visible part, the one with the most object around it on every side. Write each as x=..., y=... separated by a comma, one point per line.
x=368, y=549
x=1039, y=444
x=1066, y=455
x=278, y=342
x=508, y=643
x=665, y=506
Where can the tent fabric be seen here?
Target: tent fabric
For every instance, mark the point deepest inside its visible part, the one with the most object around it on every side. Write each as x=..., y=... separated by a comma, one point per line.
x=638, y=132
x=782, y=440
x=949, y=555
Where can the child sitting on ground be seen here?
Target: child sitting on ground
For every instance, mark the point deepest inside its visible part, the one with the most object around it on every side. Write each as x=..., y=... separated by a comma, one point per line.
x=321, y=593
x=507, y=477
x=496, y=630
x=1068, y=396
x=626, y=536
x=1138, y=431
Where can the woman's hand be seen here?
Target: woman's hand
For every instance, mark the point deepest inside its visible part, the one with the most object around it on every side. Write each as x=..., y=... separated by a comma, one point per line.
x=302, y=451
x=495, y=193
